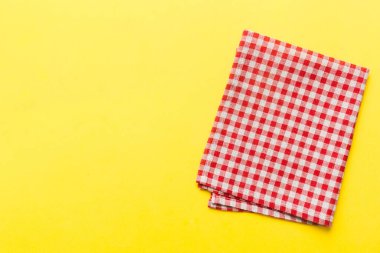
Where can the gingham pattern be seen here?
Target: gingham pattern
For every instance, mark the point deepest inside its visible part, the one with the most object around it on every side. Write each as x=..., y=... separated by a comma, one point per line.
x=283, y=131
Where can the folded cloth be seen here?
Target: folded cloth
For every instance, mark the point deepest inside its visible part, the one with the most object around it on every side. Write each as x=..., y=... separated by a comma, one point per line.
x=282, y=133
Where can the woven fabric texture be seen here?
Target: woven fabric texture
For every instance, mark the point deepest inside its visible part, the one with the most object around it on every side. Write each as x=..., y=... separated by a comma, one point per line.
x=283, y=131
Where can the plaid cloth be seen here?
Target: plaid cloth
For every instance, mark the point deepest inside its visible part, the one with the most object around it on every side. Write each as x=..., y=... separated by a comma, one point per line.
x=282, y=133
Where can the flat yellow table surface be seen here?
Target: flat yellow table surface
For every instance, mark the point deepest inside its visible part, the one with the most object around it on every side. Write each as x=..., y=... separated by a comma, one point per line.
x=106, y=107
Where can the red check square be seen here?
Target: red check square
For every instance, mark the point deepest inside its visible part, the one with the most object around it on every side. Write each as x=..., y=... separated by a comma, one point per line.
x=283, y=131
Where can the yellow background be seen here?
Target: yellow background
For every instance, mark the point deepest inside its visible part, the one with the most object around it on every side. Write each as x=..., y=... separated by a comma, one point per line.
x=106, y=106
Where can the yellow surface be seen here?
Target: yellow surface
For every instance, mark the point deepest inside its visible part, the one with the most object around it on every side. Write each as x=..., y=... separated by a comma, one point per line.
x=106, y=106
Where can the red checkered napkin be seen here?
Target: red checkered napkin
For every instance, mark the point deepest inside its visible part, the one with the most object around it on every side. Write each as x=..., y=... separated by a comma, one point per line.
x=283, y=130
